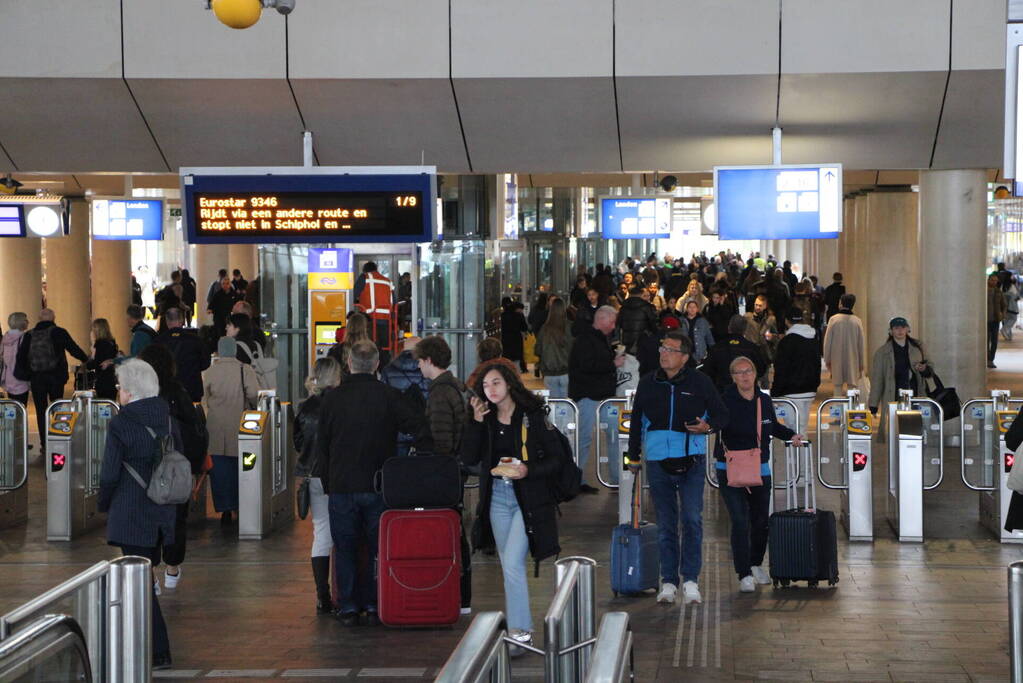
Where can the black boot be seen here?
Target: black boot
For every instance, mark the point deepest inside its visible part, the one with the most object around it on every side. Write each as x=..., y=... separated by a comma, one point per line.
x=321, y=575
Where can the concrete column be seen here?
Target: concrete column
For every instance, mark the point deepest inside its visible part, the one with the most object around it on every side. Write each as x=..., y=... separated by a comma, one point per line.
x=892, y=284
x=111, y=286
x=68, y=290
x=860, y=265
x=209, y=258
x=953, y=305
x=20, y=262
x=795, y=251
x=845, y=239
x=827, y=254
x=243, y=257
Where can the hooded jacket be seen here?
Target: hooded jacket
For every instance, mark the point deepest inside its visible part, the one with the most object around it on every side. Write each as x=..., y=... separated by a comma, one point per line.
x=661, y=409
x=11, y=342
x=797, y=365
x=717, y=364
x=636, y=318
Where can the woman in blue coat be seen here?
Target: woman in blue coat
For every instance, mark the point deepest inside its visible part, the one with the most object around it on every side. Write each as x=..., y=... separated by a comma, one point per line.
x=136, y=524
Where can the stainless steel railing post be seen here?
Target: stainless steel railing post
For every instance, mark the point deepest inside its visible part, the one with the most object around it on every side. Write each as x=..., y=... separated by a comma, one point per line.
x=134, y=582
x=1016, y=622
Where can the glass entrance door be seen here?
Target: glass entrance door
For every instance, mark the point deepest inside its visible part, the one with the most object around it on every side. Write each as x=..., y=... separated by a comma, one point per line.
x=451, y=305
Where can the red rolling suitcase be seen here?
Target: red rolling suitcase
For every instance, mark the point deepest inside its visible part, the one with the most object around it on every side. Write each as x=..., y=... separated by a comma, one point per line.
x=420, y=567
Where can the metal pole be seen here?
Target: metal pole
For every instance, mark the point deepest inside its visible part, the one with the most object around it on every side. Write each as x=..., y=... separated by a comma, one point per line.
x=307, y=149
x=89, y=608
x=1016, y=621
x=132, y=578
x=586, y=606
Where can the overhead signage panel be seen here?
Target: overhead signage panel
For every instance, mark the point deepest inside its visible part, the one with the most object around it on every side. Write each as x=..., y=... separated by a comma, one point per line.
x=127, y=219
x=12, y=220
x=778, y=202
x=635, y=217
x=248, y=206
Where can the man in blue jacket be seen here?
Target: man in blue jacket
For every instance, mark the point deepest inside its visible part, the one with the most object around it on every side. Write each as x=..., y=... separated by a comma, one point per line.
x=673, y=411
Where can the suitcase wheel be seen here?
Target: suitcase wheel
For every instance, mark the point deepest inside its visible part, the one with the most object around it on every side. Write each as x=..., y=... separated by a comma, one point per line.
x=811, y=584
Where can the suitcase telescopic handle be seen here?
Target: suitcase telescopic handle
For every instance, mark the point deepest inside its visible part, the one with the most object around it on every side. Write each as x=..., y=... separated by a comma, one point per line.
x=792, y=474
x=637, y=491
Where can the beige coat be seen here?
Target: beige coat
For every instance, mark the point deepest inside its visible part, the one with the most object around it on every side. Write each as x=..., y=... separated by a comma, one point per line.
x=882, y=373
x=224, y=403
x=845, y=348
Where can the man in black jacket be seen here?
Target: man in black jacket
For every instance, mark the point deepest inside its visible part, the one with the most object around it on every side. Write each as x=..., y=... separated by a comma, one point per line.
x=359, y=425
x=718, y=313
x=832, y=295
x=592, y=377
x=42, y=361
x=797, y=366
x=636, y=318
x=727, y=349
x=190, y=355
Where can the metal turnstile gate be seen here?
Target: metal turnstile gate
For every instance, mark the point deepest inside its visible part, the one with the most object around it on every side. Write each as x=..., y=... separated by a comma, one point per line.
x=13, y=464
x=564, y=415
x=986, y=460
x=76, y=438
x=844, y=432
x=916, y=455
x=265, y=465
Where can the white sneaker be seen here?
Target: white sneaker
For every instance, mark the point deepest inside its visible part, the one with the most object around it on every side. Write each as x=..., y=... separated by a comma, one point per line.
x=690, y=593
x=747, y=584
x=761, y=576
x=170, y=581
x=524, y=637
x=156, y=587
x=667, y=594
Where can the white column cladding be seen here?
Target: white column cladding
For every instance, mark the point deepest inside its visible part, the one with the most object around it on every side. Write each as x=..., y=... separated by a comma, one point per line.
x=21, y=265
x=68, y=280
x=209, y=258
x=953, y=305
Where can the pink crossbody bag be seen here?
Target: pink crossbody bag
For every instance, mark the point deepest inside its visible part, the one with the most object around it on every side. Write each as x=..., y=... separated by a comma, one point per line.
x=743, y=467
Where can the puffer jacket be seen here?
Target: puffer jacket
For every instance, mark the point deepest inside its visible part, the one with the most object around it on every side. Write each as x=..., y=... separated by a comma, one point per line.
x=401, y=373
x=11, y=384
x=446, y=414
x=797, y=366
x=635, y=319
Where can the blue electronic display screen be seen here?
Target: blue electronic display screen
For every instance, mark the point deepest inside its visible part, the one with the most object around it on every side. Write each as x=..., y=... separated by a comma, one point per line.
x=778, y=202
x=127, y=219
x=12, y=220
x=635, y=217
x=308, y=208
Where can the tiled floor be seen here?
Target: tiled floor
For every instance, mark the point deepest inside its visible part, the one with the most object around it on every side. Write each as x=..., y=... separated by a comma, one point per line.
x=927, y=612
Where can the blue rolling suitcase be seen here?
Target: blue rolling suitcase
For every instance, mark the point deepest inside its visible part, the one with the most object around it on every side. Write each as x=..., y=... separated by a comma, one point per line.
x=635, y=561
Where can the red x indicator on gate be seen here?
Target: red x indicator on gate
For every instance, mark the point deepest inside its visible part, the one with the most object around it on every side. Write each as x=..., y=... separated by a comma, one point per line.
x=1009, y=459
x=57, y=461
x=859, y=461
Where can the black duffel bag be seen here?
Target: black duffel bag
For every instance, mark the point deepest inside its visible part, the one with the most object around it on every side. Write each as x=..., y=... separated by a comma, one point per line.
x=420, y=481
x=946, y=397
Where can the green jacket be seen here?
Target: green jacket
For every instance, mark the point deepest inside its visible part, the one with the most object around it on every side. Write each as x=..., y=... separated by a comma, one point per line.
x=553, y=356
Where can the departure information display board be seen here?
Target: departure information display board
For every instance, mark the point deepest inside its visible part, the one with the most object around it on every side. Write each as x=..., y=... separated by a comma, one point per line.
x=127, y=219
x=635, y=217
x=778, y=202
x=12, y=220
x=308, y=208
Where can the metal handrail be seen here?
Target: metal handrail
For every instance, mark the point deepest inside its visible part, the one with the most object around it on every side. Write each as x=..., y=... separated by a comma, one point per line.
x=962, y=444
x=24, y=441
x=612, y=652
x=820, y=413
x=570, y=620
x=481, y=654
x=1015, y=572
x=32, y=638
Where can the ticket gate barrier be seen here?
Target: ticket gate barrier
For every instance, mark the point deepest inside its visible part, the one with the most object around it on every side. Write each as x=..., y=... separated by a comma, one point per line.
x=13, y=464
x=564, y=414
x=986, y=460
x=844, y=431
x=786, y=413
x=266, y=465
x=76, y=436
x=613, y=420
x=916, y=454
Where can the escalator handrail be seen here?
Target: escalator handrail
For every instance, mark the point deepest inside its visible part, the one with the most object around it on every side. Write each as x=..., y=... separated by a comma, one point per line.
x=32, y=634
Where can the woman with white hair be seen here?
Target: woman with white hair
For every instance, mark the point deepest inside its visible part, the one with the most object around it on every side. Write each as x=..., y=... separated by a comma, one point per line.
x=136, y=524
x=15, y=388
x=229, y=387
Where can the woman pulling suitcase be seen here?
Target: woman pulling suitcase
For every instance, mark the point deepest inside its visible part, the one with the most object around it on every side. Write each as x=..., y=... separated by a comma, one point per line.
x=510, y=437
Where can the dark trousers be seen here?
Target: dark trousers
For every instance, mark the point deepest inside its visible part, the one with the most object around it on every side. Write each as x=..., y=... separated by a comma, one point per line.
x=20, y=398
x=161, y=643
x=174, y=553
x=748, y=509
x=354, y=518
x=992, y=339
x=45, y=390
x=224, y=483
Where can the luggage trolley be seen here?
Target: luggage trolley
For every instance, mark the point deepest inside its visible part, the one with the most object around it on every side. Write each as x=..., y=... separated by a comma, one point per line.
x=13, y=464
x=844, y=431
x=265, y=465
x=564, y=414
x=916, y=456
x=76, y=438
x=986, y=460
x=788, y=414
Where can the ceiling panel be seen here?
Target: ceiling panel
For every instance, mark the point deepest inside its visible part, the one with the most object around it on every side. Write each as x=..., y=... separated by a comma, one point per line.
x=692, y=123
x=973, y=121
x=60, y=39
x=222, y=122
x=695, y=37
x=978, y=34
x=74, y=124
x=539, y=124
x=877, y=120
x=376, y=122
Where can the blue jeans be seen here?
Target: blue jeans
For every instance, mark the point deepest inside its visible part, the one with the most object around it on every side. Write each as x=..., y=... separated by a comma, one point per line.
x=748, y=509
x=355, y=519
x=667, y=490
x=557, y=385
x=587, y=424
x=513, y=548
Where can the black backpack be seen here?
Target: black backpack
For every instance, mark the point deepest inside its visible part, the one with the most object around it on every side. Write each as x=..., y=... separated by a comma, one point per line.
x=567, y=482
x=42, y=355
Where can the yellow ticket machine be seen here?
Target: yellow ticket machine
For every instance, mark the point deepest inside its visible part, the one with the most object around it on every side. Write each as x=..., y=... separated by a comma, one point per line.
x=330, y=284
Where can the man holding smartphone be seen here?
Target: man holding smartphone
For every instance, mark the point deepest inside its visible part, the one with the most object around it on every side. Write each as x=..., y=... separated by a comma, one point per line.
x=673, y=411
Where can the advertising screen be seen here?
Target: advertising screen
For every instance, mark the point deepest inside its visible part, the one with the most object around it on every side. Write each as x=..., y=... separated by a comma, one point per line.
x=12, y=220
x=127, y=219
x=314, y=208
x=778, y=202
x=635, y=217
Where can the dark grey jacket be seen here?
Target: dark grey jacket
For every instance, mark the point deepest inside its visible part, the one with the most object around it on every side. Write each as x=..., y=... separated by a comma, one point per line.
x=132, y=518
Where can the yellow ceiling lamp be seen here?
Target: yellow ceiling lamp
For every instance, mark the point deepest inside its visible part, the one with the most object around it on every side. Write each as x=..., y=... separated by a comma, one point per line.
x=245, y=13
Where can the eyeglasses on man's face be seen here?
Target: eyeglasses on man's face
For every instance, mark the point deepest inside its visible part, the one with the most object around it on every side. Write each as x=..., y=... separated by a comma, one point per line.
x=747, y=371
x=669, y=349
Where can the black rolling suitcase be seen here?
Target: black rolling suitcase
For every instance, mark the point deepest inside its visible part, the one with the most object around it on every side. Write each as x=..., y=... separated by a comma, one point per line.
x=803, y=541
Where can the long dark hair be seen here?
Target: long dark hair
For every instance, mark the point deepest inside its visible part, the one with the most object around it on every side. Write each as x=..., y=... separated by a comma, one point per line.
x=521, y=396
x=556, y=326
